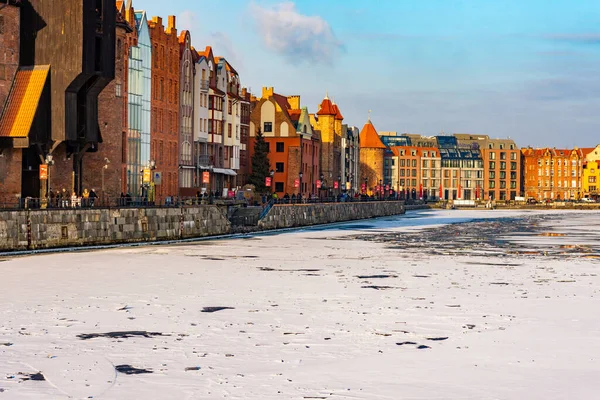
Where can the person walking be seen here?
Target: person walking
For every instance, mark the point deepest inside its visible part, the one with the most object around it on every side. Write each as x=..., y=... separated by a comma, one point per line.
x=93, y=197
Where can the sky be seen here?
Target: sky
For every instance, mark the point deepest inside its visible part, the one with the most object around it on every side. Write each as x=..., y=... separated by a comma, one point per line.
x=525, y=69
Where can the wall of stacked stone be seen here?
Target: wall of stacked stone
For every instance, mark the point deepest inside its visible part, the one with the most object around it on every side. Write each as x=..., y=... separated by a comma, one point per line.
x=288, y=216
x=38, y=229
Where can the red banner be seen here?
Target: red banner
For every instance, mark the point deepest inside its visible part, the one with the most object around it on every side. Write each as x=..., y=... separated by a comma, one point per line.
x=459, y=196
x=336, y=185
x=206, y=177
x=441, y=194
x=318, y=184
x=477, y=192
x=43, y=172
x=268, y=181
x=421, y=191
x=296, y=183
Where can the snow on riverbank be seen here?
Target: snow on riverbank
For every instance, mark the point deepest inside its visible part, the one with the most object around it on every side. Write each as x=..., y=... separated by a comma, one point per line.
x=319, y=313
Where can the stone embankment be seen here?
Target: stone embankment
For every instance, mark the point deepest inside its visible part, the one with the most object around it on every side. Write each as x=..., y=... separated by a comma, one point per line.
x=289, y=216
x=53, y=228
x=38, y=229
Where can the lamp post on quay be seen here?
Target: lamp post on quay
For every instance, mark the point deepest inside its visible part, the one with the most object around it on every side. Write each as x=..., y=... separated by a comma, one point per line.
x=105, y=167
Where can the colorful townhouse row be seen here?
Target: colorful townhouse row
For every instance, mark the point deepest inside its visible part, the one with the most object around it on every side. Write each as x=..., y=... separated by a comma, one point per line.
x=477, y=167
x=104, y=97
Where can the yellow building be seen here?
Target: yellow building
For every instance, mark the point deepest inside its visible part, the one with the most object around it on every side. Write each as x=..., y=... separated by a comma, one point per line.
x=372, y=152
x=328, y=121
x=591, y=179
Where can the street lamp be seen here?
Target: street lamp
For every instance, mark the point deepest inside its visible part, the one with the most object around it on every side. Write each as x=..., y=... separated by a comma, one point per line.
x=380, y=187
x=105, y=167
x=272, y=173
x=300, y=190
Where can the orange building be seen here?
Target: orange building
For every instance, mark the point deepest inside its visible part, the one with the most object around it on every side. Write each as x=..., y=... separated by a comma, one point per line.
x=165, y=104
x=552, y=174
x=285, y=125
x=418, y=172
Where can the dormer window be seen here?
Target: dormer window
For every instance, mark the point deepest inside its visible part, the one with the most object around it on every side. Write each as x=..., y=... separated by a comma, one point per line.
x=490, y=146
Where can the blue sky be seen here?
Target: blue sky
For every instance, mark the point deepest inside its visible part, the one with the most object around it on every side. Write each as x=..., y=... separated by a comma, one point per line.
x=526, y=69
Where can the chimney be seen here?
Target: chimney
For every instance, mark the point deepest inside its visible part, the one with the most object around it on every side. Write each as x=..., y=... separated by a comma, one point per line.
x=171, y=25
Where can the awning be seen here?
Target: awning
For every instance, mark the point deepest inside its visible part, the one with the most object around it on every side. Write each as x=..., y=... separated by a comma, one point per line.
x=224, y=171
x=23, y=101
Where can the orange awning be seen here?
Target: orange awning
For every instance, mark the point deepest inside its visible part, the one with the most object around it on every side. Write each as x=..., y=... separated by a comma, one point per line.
x=23, y=101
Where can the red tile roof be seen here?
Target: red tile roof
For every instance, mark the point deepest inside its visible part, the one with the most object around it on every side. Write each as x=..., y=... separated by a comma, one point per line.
x=294, y=115
x=326, y=108
x=338, y=114
x=369, y=137
x=23, y=101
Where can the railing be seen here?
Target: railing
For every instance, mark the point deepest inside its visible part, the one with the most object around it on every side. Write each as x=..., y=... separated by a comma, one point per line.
x=266, y=210
x=30, y=203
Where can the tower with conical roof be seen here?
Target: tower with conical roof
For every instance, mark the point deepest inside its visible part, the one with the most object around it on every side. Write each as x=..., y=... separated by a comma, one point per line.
x=330, y=126
x=372, y=151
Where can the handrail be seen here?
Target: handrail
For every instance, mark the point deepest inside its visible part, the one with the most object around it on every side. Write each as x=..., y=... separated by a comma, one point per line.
x=266, y=210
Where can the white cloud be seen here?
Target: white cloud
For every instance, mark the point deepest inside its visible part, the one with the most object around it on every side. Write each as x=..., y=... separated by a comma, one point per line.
x=223, y=46
x=186, y=21
x=295, y=36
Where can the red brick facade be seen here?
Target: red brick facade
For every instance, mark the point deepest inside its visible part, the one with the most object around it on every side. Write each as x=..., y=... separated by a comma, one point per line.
x=10, y=159
x=165, y=104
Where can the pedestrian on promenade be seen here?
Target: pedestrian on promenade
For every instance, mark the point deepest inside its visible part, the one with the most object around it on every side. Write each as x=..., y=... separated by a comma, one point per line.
x=86, y=198
x=93, y=197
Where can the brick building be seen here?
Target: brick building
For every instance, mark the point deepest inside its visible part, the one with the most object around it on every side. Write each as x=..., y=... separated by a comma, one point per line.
x=419, y=172
x=51, y=113
x=328, y=121
x=553, y=174
x=462, y=170
x=294, y=146
x=164, y=146
x=104, y=170
x=11, y=156
x=372, y=152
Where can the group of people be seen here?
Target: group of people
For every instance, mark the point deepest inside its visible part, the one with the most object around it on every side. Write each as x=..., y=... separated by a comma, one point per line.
x=62, y=199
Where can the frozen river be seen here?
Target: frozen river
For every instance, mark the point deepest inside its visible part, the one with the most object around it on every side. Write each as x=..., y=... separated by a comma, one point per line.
x=503, y=305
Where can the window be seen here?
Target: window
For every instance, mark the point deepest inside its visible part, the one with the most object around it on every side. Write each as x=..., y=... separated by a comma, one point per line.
x=492, y=175
x=268, y=127
x=414, y=172
x=118, y=90
x=414, y=163
x=502, y=174
x=279, y=147
x=503, y=155
x=229, y=107
x=492, y=184
x=592, y=179
x=513, y=156
x=402, y=163
x=279, y=186
x=492, y=155
x=279, y=167
x=502, y=184
x=425, y=163
x=513, y=175
x=229, y=130
x=502, y=165
x=492, y=165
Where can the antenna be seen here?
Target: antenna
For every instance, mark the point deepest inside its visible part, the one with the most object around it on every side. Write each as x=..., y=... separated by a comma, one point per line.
x=369, y=115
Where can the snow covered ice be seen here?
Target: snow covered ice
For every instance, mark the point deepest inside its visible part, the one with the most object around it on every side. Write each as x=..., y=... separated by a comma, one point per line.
x=501, y=306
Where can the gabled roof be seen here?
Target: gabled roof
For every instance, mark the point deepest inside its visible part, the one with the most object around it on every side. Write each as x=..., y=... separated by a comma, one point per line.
x=369, y=137
x=23, y=101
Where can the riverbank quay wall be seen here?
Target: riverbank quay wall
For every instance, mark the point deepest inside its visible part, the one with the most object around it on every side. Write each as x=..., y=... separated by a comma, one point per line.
x=56, y=228
x=40, y=229
x=290, y=216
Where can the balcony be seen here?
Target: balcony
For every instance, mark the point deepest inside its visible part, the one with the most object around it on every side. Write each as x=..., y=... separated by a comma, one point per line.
x=204, y=85
x=204, y=160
